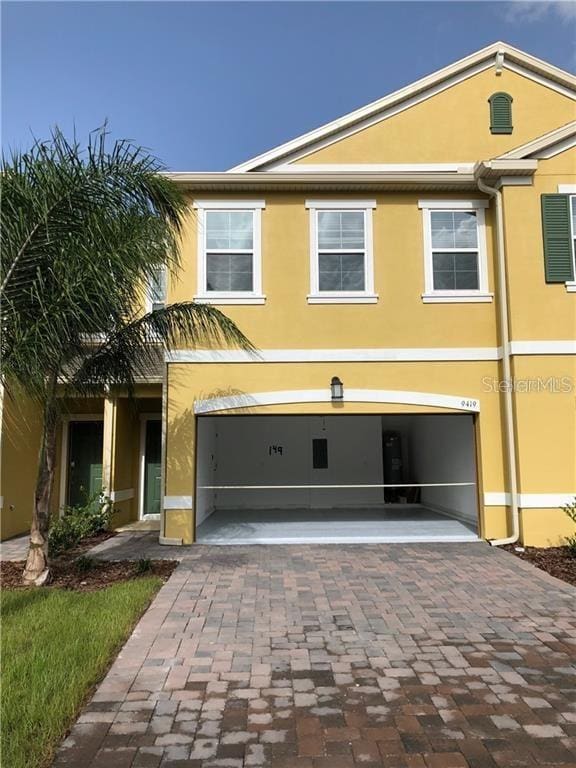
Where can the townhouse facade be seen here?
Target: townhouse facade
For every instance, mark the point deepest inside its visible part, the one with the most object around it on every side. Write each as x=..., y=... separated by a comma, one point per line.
x=407, y=274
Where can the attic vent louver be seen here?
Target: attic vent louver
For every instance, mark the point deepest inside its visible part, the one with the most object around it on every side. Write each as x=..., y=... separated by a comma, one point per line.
x=500, y=113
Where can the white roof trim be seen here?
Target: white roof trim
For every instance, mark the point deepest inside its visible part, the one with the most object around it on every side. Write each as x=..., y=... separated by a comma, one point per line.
x=463, y=167
x=548, y=141
x=497, y=54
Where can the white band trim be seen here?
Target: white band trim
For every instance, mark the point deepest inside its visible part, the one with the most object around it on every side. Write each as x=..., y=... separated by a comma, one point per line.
x=530, y=500
x=177, y=502
x=124, y=495
x=334, y=355
x=497, y=499
x=255, y=399
x=564, y=347
x=384, y=355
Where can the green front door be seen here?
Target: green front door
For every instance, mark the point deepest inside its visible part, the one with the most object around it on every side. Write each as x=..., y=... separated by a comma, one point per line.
x=84, y=461
x=152, y=467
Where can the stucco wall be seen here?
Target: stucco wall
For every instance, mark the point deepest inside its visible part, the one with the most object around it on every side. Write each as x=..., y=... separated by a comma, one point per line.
x=454, y=125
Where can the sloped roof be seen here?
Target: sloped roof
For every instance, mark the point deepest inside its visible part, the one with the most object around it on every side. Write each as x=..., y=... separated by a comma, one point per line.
x=499, y=55
x=559, y=139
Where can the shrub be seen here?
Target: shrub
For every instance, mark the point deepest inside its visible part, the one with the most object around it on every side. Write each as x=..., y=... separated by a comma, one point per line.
x=570, y=510
x=80, y=522
x=143, y=565
x=85, y=564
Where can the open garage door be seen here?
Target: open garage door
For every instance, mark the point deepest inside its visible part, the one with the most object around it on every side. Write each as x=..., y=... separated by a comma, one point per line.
x=336, y=478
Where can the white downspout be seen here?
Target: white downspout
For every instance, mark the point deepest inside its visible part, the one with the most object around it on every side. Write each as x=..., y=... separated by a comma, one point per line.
x=505, y=334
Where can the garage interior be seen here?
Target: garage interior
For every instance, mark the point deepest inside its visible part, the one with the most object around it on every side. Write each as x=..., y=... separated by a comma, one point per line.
x=320, y=479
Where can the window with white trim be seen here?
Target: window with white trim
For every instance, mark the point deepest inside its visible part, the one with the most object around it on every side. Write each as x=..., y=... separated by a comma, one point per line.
x=455, y=251
x=229, y=262
x=341, y=262
x=157, y=290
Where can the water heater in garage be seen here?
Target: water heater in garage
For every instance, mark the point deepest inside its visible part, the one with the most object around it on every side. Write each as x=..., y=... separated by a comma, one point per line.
x=393, y=466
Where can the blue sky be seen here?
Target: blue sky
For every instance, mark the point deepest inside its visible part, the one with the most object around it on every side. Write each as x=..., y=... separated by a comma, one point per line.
x=207, y=85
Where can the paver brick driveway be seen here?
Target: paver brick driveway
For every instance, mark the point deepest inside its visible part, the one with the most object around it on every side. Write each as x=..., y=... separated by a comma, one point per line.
x=424, y=656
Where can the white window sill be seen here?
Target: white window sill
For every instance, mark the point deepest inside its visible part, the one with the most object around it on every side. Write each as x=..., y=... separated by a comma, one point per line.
x=457, y=298
x=364, y=298
x=217, y=299
x=571, y=286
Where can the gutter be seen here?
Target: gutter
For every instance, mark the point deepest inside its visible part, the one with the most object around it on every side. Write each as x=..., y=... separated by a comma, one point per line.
x=496, y=194
x=459, y=179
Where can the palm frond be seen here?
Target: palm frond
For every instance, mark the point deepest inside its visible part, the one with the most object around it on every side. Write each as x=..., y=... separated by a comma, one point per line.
x=83, y=233
x=130, y=353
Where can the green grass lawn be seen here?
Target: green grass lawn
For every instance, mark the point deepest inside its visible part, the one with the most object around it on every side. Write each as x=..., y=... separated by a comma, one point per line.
x=56, y=644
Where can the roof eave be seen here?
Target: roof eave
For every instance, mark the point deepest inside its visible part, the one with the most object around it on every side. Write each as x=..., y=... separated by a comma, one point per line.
x=494, y=169
x=327, y=181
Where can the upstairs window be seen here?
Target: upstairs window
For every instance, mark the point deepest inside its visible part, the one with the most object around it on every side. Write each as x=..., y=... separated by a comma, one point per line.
x=157, y=290
x=500, y=113
x=229, y=264
x=341, y=265
x=455, y=251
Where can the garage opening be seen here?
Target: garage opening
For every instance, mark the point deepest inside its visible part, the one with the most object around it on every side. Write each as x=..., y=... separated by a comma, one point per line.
x=336, y=478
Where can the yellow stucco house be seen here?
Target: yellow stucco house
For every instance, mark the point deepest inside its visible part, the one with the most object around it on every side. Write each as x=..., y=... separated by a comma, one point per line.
x=407, y=273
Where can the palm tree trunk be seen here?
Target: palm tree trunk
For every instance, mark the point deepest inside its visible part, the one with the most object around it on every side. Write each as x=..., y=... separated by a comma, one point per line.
x=37, y=566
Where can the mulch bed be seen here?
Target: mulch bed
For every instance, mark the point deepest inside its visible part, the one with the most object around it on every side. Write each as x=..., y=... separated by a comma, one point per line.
x=88, y=543
x=557, y=561
x=67, y=574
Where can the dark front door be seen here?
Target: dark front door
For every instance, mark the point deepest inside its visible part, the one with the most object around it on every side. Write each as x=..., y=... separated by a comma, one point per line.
x=84, y=461
x=153, y=467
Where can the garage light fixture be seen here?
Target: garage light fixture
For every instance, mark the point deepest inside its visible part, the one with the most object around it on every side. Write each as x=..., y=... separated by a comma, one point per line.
x=337, y=388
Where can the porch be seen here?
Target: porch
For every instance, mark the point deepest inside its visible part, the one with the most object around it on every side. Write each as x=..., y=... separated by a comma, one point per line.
x=113, y=445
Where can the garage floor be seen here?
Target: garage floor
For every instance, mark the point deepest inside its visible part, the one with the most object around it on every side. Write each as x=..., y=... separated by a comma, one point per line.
x=330, y=526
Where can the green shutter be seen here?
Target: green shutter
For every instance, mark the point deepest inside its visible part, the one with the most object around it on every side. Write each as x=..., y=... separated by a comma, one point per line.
x=558, y=257
x=500, y=113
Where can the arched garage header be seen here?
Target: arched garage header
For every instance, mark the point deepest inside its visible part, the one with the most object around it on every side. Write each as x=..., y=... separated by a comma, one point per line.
x=254, y=399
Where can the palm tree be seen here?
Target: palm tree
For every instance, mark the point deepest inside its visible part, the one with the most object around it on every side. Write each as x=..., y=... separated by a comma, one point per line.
x=84, y=232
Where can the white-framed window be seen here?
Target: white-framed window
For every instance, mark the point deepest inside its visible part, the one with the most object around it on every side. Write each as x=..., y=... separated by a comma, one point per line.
x=455, y=261
x=341, y=258
x=156, y=296
x=229, y=252
x=570, y=189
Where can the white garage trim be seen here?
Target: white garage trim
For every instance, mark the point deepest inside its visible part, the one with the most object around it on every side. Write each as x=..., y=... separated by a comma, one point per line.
x=547, y=347
x=177, y=502
x=253, y=399
x=530, y=500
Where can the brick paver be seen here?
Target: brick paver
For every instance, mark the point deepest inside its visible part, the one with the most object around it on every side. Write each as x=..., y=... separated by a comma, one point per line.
x=422, y=656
